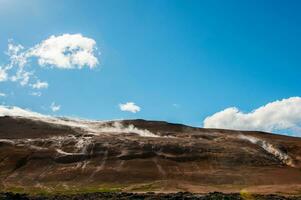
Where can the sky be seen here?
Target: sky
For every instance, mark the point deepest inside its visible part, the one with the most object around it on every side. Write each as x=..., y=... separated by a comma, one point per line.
x=222, y=64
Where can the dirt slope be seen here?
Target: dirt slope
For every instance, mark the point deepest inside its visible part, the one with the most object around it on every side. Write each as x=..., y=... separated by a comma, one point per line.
x=137, y=155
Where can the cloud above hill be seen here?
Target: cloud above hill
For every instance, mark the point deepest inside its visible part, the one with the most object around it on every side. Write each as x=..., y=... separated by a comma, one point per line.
x=129, y=107
x=279, y=115
x=67, y=51
x=54, y=107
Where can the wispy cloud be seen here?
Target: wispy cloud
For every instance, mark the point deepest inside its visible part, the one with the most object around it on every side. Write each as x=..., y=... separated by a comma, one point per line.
x=2, y=94
x=38, y=94
x=129, y=107
x=175, y=105
x=279, y=115
x=39, y=85
x=54, y=107
x=3, y=74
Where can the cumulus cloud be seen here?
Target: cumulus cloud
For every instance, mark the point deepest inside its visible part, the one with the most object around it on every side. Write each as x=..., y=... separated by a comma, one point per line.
x=279, y=115
x=54, y=107
x=67, y=51
x=39, y=85
x=129, y=107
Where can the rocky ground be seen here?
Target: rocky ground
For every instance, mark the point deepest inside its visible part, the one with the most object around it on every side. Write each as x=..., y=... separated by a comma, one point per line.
x=42, y=154
x=149, y=196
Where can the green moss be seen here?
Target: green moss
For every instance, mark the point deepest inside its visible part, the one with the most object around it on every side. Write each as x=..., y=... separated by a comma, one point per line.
x=148, y=187
x=15, y=189
x=63, y=189
x=246, y=195
x=110, y=189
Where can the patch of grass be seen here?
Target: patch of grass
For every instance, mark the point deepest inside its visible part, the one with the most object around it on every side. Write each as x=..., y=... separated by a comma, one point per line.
x=15, y=189
x=147, y=187
x=91, y=189
x=62, y=189
x=245, y=195
x=27, y=190
x=112, y=189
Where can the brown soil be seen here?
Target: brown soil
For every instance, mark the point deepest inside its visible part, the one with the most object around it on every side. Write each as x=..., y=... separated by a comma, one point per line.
x=37, y=156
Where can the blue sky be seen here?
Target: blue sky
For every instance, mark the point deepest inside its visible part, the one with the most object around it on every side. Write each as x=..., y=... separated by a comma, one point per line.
x=179, y=61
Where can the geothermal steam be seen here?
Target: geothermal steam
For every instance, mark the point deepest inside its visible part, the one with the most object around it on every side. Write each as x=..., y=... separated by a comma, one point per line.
x=283, y=157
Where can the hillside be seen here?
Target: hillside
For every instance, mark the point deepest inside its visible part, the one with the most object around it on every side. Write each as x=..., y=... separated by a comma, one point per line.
x=48, y=154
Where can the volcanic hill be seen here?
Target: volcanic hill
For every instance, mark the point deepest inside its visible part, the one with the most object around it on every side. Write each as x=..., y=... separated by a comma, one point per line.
x=43, y=153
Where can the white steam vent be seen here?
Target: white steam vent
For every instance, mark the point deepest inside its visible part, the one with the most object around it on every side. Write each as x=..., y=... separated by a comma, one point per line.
x=283, y=157
x=91, y=127
x=118, y=127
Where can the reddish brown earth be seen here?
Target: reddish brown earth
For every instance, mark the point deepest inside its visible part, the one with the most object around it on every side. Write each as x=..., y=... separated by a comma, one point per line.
x=41, y=156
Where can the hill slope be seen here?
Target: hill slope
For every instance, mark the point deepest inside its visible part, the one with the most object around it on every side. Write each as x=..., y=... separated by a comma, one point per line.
x=58, y=154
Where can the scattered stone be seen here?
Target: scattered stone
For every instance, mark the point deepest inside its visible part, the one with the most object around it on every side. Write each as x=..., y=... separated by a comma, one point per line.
x=145, y=196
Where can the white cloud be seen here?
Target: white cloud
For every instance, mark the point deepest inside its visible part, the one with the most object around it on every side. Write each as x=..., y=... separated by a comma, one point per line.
x=2, y=94
x=275, y=116
x=17, y=55
x=66, y=51
x=54, y=107
x=23, y=77
x=38, y=94
x=39, y=85
x=18, y=60
x=3, y=74
x=129, y=107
